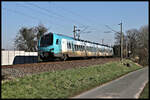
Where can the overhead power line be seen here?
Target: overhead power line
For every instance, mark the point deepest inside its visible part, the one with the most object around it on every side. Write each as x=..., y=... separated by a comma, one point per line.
x=24, y=6
x=56, y=14
x=83, y=17
x=45, y=14
x=17, y=12
x=111, y=29
x=26, y=15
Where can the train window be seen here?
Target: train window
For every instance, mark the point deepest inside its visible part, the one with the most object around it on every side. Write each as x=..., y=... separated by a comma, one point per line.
x=93, y=49
x=69, y=46
x=46, y=40
x=75, y=47
x=57, y=41
x=72, y=46
x=80, y=47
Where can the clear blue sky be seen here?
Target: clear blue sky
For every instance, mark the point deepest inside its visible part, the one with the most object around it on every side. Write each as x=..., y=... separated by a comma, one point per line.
x=60, y=17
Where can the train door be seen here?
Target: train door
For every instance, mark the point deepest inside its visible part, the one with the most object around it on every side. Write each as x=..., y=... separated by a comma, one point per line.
x=64, y=45
x=58, y=46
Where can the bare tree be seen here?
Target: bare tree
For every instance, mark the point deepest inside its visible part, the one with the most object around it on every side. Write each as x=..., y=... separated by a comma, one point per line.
x=143, y=47
x=132, y=40
x=25, y=39
x=41, y=30
x=138, y=43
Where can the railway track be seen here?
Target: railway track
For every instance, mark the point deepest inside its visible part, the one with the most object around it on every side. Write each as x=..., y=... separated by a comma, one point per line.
x=21, y=70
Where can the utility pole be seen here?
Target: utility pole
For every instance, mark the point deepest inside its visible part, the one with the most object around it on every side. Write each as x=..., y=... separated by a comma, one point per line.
x=121, y=41
x=78, y=33
x=75, y=32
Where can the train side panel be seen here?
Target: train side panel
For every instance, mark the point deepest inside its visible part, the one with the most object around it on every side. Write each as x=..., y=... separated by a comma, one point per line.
x=64, y=45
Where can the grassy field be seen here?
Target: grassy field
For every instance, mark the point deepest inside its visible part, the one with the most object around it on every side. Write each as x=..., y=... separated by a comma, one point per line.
x=145, y=92
x=65, y=83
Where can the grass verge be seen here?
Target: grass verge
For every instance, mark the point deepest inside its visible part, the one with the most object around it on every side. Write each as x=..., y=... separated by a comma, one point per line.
x=64, y=83
x=145, y=92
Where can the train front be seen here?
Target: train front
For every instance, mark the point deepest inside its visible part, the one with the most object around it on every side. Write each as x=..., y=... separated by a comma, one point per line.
x=45, y=47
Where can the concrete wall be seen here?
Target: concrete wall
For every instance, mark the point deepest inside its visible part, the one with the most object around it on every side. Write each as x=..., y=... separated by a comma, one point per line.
x=18, y=57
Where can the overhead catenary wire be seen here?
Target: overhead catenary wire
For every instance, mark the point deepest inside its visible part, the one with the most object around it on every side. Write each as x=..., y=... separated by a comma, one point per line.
x=56, y=14
x=24, y=6
x=17, y=12
x=83, y=17
x=111, y=29
x=23, y=14
x=45, y=14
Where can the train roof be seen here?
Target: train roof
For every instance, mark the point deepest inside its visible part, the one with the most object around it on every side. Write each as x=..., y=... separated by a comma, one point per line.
x=83, y=40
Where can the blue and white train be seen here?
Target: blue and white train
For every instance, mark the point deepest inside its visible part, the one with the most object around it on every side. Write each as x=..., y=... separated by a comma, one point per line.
x=53, y=45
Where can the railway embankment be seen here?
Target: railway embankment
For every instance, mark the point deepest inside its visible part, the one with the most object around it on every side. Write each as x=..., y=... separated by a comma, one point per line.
x=20, y=70
x=65, y=83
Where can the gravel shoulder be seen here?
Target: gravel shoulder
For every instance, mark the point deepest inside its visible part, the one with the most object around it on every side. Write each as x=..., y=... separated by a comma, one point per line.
x=21, y=70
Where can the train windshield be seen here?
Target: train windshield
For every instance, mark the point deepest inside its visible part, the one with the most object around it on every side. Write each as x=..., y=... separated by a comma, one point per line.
x=46, y=40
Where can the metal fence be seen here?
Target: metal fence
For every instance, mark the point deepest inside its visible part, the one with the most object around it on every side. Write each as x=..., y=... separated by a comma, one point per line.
x=10, y=57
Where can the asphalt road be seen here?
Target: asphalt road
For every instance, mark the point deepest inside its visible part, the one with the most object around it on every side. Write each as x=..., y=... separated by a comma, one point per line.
x=127, y=86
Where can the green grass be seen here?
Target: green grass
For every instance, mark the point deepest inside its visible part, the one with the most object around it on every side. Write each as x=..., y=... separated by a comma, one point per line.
x=145, y=92
x=64, y=83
